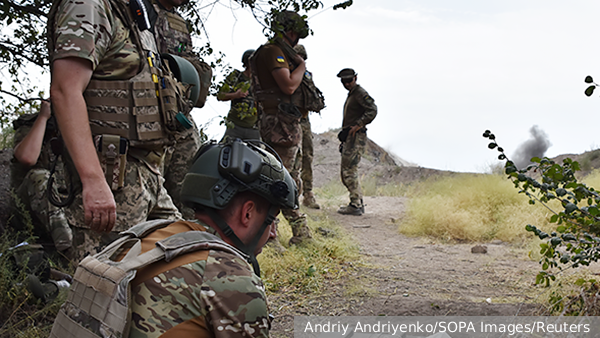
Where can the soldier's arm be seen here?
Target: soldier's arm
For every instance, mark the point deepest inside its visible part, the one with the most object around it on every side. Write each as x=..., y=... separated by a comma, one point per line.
x=28, y=150
x=288, y=81
x=70, y=77
x=367, y=102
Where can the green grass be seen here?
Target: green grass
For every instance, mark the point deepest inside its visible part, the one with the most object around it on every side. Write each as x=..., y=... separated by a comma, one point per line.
x=472, y=208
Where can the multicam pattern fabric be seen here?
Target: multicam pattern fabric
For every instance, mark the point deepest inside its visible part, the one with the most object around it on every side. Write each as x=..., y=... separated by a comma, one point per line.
x=142, y=198
x=173, y=36
x=90, y=30
x=352, y=152
x=178, y=159
x=211, y=293
x=222, y=292
x=304, y=158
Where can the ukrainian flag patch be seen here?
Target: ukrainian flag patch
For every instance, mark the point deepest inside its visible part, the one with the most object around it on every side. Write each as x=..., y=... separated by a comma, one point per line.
x=280, y=59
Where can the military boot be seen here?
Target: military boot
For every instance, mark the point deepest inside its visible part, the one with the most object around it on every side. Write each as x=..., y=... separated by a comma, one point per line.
x=351, y=209
x=310, y=201
x=300, y=231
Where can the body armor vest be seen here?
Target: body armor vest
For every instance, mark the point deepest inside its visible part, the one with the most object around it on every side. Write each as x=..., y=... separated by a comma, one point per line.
x=98, y=304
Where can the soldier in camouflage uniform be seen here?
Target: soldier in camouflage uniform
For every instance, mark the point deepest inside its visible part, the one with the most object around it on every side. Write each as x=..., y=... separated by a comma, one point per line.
x=359, y=110
x=173, y=36
x=116, y=142
x=277, y=71
x=242, y=117
x=30, y=171
x=304, y=159
x=213, y=293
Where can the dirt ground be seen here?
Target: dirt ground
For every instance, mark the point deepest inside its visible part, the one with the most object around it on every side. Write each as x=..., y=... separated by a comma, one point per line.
x=398, y=276
x=403, y=276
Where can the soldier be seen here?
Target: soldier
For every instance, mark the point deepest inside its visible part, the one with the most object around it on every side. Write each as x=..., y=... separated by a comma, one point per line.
x=31, y=171
x=304, y=159
x=242, y=118
x=359, y=110
x=173, y=37
x=277, y=71
x=210, y=286
x=113, y=112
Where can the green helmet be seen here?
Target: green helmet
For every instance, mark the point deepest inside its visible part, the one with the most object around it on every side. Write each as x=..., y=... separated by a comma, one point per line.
x=246, y=57
x=220, y=171
x=185, y=72
x=290, y=21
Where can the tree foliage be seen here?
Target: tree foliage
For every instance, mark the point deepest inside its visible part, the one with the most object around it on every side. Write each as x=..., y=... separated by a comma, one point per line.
x=23, y=42
x=575, y=240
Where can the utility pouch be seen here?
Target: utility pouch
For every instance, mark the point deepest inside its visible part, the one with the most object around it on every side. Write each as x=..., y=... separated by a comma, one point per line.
x=282, y=128
x=112, y=153
x=343, y=134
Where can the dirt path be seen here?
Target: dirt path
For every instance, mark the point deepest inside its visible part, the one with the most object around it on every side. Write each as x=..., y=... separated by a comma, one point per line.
x=413, y=276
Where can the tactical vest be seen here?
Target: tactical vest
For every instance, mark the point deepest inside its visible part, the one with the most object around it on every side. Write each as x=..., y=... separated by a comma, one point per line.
x=98, y=304
x=173, y=37
x=308, y=96
x=141, y=109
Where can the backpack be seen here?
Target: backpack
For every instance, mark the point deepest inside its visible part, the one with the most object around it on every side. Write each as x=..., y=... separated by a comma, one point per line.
x=98, y=304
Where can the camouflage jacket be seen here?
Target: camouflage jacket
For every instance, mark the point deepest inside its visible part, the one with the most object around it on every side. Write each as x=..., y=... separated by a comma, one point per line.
x=200, y=294
x=241, y=109
x=359, y=109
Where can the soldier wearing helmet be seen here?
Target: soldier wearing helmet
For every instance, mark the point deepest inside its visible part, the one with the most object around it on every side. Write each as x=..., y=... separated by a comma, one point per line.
x=277, y=71
x=189, y=278
x=242, y=117
x=236, y=190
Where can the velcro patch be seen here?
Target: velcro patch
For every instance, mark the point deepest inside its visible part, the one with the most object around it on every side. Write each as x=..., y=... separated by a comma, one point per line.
x=280, y=59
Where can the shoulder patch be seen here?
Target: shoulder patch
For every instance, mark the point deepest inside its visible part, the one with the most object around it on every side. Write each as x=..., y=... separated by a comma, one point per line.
x=368, y=99
x=280, y=59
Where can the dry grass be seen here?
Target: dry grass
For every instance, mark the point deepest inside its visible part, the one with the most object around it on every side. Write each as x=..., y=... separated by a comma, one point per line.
x=472, y=208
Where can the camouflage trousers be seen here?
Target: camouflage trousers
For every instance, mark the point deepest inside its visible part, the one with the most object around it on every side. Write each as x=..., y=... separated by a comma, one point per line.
x=288, y=153
x=304, y=158
x=143, y=197
x=352, y=151
x=178, y=159
x=49, y=221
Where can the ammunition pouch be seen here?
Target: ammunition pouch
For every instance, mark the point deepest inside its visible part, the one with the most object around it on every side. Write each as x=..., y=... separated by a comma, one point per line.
x=282, y=128
x=112, y=153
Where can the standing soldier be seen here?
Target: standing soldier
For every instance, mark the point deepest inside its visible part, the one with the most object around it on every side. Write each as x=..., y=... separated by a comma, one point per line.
x=306, y=102
x=359, y=110
x=30, y=172
x=173, y=37
x=114, y=108
x=242, y=118
x=277, y=71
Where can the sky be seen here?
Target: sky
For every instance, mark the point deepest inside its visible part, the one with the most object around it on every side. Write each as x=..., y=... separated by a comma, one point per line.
x=442, y=72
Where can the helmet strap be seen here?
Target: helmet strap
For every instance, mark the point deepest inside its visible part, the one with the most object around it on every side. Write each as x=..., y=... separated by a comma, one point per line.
x=251, y=247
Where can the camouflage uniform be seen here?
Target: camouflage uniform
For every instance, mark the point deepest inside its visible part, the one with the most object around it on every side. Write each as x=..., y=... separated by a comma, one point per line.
x=173, y=37
x=201, y=294
x=92, y=30
x=30, y=186
x=244, y=122
x=359, y=109
x=279, y=130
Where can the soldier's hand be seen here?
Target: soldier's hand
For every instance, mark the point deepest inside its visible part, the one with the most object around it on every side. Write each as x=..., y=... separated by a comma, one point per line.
x=354, y=129
x=45, y=109
x=241, y=94
x=99, y=206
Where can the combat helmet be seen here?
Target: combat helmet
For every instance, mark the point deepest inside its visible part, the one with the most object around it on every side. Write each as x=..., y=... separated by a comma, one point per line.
x=290, y=21
x=246, y=57
x=221, y=171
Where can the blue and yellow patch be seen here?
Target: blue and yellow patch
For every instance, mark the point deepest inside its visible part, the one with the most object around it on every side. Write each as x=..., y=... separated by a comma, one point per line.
x=280, y=59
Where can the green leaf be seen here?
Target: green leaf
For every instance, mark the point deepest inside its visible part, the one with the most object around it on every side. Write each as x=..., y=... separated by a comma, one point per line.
x=561, y=228
x=590, y=90
x=554, y=219
x=580, y=282
x=588, y=79
x=570, y=207
x=492, y=145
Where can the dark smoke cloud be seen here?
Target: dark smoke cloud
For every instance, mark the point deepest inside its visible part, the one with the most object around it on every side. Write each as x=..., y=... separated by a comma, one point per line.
x=536, y=146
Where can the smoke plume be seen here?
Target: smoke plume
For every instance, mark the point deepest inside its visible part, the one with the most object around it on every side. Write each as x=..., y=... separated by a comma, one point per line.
x=536, y=146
